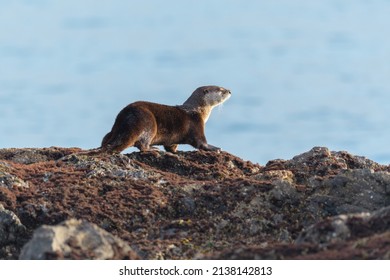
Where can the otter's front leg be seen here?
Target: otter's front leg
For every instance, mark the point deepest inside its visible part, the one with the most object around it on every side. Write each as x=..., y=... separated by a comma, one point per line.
x=201, y=143
x=171, y=148
x=208, y=147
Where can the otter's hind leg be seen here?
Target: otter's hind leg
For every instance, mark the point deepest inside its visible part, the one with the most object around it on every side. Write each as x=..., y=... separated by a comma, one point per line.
x=133, y=127
x=119, y=139
x=144, y=141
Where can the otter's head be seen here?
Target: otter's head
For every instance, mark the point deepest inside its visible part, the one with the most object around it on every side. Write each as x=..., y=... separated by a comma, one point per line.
x=205, y=98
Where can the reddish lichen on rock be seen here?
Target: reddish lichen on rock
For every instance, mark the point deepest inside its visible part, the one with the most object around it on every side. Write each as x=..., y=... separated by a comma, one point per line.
x=202, y=204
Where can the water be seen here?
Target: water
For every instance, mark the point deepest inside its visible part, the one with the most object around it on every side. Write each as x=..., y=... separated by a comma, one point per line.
x=302, y=73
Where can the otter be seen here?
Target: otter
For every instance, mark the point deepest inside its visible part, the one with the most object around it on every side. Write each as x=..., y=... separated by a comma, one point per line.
x=145, y=124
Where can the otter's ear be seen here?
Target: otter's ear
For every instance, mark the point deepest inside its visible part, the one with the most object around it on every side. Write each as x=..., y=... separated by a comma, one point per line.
x=205, y=91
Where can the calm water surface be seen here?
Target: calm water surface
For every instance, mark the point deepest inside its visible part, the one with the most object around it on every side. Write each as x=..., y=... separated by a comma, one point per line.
x=302, y=73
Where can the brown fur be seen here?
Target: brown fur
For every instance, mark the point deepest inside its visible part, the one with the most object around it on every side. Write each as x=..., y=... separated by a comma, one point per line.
x=144, y=124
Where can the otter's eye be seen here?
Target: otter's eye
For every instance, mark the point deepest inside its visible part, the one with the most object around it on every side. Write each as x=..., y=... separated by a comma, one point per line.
x=205, y=91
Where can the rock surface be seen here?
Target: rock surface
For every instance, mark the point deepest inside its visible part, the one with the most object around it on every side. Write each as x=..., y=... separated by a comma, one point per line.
x=12, y=232
x=74, y=239
x=202, y=205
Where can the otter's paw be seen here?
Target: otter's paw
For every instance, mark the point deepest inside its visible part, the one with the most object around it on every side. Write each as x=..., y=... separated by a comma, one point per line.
x=212, y=148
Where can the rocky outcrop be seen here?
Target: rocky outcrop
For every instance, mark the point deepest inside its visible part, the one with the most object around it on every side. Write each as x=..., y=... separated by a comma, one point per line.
x=75, y=239
x=318, y=205
x=12, y=233
x=345, y=227
x=10, y=227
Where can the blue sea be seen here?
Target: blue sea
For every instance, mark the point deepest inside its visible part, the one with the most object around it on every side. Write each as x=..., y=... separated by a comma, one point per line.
x=302, y=73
